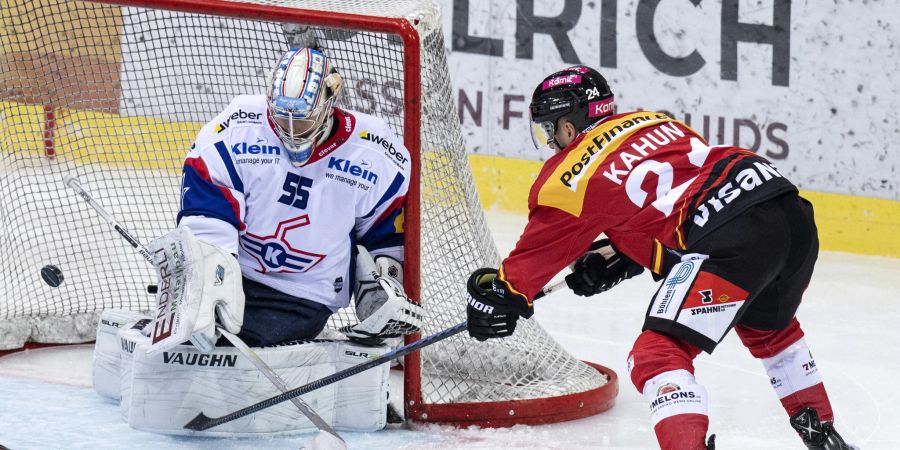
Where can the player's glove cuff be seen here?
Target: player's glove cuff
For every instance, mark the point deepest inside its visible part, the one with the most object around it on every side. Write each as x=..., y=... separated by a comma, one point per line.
x=484, y=286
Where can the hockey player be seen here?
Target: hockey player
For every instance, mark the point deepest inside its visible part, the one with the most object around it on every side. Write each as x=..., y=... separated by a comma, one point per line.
x=279, y=192
x=733, y=241
x=289, y=183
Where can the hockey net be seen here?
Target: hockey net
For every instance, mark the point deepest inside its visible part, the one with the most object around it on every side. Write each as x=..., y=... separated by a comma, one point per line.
x=114, y=93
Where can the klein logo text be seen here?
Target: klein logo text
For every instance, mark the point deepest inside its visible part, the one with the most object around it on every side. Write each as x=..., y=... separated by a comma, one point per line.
x=345, y=166
x=242, y=148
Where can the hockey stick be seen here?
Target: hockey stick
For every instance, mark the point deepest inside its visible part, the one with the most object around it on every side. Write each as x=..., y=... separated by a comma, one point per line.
x=304, y=408
x=202, y=422
x=73, y=183
x=328, y=437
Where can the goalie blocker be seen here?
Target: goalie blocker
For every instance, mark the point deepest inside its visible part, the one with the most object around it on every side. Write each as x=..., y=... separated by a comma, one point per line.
x=161, y=392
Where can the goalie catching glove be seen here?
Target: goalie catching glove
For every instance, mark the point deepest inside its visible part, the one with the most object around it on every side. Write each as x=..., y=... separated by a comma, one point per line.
x=493, y=310
x=600, y=269
x=197, y=282
x=382, y=307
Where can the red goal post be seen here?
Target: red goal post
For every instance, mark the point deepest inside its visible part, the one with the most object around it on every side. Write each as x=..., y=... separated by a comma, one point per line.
x=107, y=93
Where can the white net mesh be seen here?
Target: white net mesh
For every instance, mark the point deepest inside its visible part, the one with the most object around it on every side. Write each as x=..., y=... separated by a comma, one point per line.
x=115, y=95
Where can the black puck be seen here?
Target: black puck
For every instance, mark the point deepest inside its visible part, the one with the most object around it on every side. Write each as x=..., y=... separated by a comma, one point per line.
x=52, y=275
x=152, y=289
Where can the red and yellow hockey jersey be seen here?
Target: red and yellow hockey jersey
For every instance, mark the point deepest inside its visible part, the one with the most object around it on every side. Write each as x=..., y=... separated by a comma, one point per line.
x=647, y=181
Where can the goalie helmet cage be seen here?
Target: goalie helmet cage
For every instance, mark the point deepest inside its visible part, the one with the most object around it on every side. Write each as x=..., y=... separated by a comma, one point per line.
x=115, y=92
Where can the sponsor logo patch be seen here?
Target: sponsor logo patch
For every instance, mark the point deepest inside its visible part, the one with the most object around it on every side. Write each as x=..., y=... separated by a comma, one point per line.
x=601, y=108
x=561, y=80
x=356, y=170
x=259, y=148
x=743, y=181
x=239, y=117
x=394, y=154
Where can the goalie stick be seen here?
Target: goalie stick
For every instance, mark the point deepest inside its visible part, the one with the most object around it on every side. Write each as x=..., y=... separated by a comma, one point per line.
x=328, y=438
x=304, y=408
x=73, y=183
x=202, y=422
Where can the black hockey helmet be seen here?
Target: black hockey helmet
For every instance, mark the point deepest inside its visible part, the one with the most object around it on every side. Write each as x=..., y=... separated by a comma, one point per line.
x=578, y=93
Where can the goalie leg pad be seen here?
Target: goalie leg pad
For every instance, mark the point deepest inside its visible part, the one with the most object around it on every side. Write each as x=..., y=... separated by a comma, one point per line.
x=106, y=373
x=171, y=387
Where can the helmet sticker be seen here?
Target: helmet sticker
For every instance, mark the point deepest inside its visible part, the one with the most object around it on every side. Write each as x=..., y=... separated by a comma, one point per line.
x=601, y=108
x=561, y=80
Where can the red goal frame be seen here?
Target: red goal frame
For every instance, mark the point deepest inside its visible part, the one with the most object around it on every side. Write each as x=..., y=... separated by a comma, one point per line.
x=486, y=414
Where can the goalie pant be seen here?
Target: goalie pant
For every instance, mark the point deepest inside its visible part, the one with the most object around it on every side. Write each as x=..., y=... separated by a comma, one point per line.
x=163, y=392
x=711, y=291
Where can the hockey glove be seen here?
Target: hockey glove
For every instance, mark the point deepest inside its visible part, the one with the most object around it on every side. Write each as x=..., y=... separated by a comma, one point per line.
x=600, y=269
x=493, y=311
x=382, y=307
x=199, y=284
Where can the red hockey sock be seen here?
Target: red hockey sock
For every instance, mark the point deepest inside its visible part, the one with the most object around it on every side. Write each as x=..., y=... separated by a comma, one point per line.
x=661, y=368
x=790, y=366
x=654, y=353
x=814, y=397
x=684, y=431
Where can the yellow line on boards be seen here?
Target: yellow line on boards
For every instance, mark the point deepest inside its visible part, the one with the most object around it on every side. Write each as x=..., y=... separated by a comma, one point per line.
x=862, y=225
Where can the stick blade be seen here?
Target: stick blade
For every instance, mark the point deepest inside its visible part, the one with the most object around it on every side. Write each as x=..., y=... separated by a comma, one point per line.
x=200, y=423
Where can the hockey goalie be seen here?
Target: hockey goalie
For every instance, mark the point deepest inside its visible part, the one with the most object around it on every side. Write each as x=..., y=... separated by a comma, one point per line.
x=288, y=204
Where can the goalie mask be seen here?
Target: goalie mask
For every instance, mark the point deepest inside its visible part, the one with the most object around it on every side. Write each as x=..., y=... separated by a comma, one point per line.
x=302, y=91
x=579, y=93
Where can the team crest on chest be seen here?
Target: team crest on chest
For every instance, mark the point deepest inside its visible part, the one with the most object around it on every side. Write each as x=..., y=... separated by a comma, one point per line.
x=274, y=253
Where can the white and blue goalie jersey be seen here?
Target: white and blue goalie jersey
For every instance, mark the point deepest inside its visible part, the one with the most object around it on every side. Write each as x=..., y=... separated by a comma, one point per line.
x=293, y=228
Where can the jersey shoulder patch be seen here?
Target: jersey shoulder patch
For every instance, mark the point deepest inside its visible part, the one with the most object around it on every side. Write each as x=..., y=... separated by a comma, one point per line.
x=249, y=110
x=375, y=133
x=243, y=110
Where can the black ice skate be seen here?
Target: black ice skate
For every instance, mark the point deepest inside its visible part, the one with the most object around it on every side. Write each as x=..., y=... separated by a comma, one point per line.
x=817, y=435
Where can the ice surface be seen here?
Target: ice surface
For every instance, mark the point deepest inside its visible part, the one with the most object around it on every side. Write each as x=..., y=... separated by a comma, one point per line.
x=850, y=316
